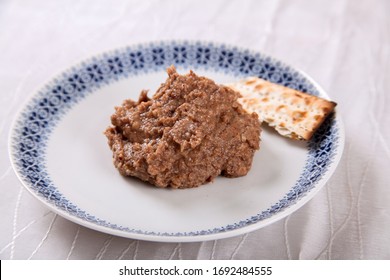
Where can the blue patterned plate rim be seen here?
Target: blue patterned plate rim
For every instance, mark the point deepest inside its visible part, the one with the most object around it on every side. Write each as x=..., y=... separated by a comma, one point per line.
x=43, y=111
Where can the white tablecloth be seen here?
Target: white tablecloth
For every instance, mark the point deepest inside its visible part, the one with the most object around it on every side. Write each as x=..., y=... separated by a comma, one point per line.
x=344, y=45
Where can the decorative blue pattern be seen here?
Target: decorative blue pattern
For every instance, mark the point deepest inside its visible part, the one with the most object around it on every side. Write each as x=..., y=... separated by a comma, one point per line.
x=45, y=110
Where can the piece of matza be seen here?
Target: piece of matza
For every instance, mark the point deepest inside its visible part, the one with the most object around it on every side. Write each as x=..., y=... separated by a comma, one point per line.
x=292, y=113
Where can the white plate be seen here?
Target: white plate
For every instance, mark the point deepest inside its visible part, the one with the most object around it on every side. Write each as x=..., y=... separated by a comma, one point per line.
x=61, y=156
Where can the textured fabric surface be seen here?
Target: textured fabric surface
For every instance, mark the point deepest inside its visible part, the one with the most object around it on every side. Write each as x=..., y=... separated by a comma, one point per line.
x=344, y=45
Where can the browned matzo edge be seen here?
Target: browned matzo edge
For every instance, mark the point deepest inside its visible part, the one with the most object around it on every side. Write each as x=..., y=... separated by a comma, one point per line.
x=292, y=113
